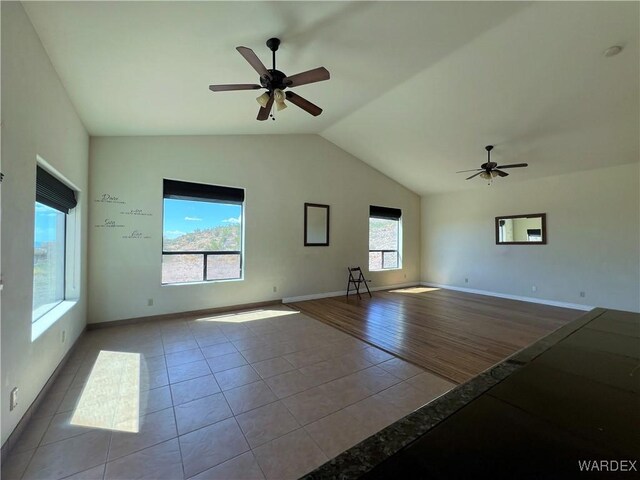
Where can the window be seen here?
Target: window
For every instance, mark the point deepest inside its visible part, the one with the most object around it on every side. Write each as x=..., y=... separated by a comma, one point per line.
x=534, y=234
x=54, y=200
x=384, y=238
x=202, y=232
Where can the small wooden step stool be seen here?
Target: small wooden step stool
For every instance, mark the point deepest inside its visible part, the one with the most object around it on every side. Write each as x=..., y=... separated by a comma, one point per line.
x=356, y=278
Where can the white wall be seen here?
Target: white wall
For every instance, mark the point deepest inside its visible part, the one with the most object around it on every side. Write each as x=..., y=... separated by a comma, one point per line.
x=280, y=174
x=593, y=231
x=38, y=119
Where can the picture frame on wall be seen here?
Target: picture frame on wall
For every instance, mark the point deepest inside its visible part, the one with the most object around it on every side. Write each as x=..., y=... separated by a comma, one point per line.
x=316, y=225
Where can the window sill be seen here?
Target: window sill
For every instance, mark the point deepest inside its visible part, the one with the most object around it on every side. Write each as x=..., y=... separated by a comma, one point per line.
x=44, y=322
x=207, y=282
x=386, y=269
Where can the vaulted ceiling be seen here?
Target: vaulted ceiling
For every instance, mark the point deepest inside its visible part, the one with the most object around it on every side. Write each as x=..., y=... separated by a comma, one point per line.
x=417, y=89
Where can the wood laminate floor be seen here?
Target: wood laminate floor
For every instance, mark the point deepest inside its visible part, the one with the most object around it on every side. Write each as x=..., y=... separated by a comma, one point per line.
x=453, y=334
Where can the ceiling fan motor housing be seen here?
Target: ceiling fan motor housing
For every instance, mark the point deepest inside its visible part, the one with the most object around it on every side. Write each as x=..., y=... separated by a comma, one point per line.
x=276, y=81
x=489, y=165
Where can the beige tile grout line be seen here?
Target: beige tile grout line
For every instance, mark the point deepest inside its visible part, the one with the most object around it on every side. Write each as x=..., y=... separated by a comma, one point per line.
x=175, y=418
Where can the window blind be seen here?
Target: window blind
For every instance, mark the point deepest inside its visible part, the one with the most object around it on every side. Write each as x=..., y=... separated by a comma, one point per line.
x=52, y=192
x=198, y=191
x=385, y=212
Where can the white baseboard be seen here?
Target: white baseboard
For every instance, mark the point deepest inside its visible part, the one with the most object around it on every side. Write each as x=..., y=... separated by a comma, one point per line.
x=315, y=296
x=554, y=303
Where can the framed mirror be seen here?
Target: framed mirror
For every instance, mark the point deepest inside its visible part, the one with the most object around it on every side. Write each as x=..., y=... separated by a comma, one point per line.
x=530, y=229
x=316, y=225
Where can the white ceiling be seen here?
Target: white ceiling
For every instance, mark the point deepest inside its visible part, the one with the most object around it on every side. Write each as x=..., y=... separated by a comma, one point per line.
x=417, y=89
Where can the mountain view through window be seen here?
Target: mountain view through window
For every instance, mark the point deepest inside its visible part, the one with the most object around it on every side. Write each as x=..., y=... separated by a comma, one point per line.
x=202, y=241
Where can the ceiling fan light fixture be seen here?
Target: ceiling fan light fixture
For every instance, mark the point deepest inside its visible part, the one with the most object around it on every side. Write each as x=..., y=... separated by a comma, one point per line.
x=278, y=97
x=486, y=175
x=263, y=99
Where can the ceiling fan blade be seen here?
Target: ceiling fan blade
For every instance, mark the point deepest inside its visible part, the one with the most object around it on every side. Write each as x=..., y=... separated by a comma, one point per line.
x=237, y=86
x=514, y=165
x=254, y=61
x=474, y=175
x=473, y=170
x=501, y=173
x=263, y=113
x=310, y=76
x=304, y=104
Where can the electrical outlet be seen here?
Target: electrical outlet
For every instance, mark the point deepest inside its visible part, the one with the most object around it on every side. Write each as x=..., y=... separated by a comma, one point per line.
x=150, y=302
x=63, y=336
x=534, y=288
x=466, y=280
x=13, y=400
x=582, y=294
x=275, y=289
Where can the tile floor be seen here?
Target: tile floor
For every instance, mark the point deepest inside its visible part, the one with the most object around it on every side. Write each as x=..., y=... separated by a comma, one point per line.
x=267, y=393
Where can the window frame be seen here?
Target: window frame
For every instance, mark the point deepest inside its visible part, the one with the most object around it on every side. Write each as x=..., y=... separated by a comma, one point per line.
x=391, y=214
x=72, y=255
x=205, y=253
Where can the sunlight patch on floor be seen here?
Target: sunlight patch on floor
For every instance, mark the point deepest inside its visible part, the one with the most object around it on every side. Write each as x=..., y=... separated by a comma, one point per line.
x=251, y=316
x=111, y=397
x=415, y=290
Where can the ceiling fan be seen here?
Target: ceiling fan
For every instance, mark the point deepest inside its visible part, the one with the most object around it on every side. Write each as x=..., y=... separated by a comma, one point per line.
x=491, y=169
x=276, y=82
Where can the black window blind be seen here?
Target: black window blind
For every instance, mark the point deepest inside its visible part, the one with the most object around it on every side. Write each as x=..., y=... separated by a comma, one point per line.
x=385, y=212
x=198, y=191
x=52, y=192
